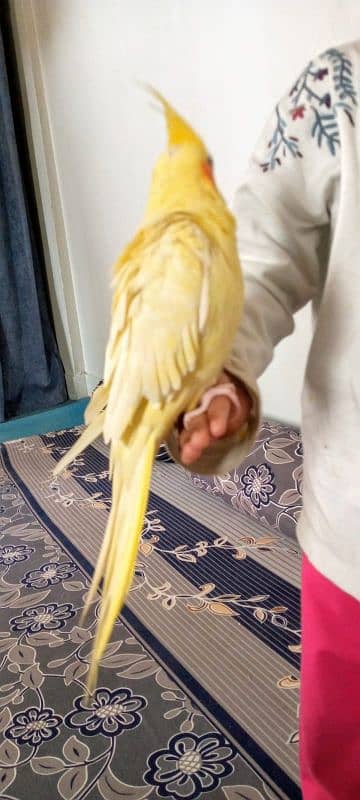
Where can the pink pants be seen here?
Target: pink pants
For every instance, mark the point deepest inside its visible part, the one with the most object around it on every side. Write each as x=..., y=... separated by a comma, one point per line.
x=330, y=690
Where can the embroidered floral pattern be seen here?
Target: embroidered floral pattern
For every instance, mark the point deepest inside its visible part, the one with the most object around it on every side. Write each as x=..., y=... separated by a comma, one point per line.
x=43, y=618
x=49, y=574
x=108, y=713
x=10, y=554
x=45, y=649
x=34, y=726
x=298, y=112
x=258, y=483
x=279, y=450
x=190, y=765
x=323, y=106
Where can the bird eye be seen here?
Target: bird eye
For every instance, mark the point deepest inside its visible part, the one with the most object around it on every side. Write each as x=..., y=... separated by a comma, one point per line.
x=210, y=161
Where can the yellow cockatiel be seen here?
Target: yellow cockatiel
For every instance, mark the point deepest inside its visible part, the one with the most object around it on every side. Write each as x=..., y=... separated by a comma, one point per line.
x=177, y=301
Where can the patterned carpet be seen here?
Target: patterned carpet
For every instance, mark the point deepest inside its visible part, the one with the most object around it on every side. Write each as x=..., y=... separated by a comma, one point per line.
x=198, y=690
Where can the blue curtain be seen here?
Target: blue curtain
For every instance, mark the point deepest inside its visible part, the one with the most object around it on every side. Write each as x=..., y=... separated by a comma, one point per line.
x=31, y=372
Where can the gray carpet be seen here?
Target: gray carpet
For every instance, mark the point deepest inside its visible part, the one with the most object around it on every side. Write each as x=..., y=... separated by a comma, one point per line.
x=198, y=690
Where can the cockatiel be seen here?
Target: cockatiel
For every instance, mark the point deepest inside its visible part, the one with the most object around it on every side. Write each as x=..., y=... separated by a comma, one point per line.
x=177, y=302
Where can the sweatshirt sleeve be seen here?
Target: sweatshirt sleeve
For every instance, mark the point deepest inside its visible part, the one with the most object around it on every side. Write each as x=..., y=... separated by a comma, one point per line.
x=283, y=209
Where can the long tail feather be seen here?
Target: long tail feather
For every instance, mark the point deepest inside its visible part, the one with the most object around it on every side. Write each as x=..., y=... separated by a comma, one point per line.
x=87, y=437
x=96, y=404
x=129, y=510
x=105, y=552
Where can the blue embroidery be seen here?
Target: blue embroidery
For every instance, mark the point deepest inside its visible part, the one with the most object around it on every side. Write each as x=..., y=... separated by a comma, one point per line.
x=326, y=106
x=343, y=79
x=280, y=144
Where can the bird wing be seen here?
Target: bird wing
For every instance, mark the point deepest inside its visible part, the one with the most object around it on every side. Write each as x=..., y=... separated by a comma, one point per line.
x=160, y=309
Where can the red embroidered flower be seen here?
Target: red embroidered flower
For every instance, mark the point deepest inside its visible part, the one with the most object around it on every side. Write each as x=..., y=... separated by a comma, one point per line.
x=298, y=112
x=320, y=74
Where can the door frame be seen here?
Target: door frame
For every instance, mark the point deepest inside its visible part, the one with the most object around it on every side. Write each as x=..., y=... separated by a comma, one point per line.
x=44, y=166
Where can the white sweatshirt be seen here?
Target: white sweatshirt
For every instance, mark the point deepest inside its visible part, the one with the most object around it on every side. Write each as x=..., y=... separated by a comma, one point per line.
x=298, y=213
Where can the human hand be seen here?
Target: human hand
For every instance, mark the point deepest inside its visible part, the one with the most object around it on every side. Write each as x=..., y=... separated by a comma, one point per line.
x=221, y=419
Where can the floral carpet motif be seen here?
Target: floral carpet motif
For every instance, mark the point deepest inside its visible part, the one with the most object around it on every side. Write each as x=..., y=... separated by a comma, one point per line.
x=268, y=485
x=198, y=689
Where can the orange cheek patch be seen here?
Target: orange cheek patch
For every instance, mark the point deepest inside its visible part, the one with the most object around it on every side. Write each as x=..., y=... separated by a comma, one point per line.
x=208, y=171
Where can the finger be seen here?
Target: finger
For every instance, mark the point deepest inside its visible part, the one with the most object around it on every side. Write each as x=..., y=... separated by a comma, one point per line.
x=195, y=440
x=191, y=453
x=197, y=431
x=218, y=414
x=238, y=416
x=186, y=445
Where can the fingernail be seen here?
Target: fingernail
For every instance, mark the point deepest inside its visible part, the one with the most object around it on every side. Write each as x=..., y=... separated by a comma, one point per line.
x=217, y=428
x=186, y=456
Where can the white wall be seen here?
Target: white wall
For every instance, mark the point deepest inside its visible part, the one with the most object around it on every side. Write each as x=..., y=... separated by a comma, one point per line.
x=223, y=63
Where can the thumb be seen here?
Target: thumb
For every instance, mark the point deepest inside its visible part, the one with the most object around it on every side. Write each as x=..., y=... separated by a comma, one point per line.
x=241, y=415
